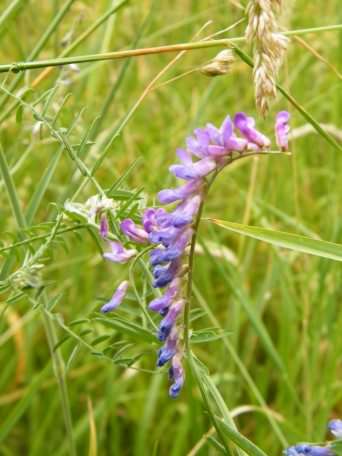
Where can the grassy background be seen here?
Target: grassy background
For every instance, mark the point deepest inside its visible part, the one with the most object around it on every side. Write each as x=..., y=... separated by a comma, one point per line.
x=243, y=286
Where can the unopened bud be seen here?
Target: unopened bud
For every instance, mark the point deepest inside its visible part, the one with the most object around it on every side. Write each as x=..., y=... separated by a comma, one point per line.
x=220, y=64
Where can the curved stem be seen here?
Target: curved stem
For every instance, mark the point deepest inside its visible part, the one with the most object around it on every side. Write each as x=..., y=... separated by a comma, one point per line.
x=188, y=294
x=189, y=283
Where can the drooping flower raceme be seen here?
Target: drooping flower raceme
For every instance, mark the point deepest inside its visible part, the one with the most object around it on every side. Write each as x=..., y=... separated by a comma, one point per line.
x=206, y=152
x=170, y=232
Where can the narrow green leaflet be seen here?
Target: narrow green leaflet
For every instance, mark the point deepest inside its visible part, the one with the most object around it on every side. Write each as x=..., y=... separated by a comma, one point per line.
x=290, y=241
x=208, y=335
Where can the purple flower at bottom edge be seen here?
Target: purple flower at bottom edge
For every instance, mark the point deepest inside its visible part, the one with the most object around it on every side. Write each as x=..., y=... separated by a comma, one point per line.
x=308, y=450
x=335, y=427
x=282, y=130
x=134, y=232
x=176, y=374
x=246, y=125
x=117, y=298
x=169, y=320
x=118, y=253
x=163, y=303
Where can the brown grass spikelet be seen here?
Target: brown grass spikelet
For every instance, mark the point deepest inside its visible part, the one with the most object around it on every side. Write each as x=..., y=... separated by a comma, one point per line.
x=269, y=47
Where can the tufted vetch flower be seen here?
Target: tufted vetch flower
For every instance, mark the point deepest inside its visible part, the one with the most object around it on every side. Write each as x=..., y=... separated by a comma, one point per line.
x=170, y=233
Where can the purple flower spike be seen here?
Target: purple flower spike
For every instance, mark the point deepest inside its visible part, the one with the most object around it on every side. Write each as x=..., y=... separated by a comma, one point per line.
x=176, y=374
x=167, y=323
x=195, y=170
x=163, y=303
x=132, y=231
x=173, y=194
x=308, y=450
x=246, y=125
x=282, y=130
x=118, y=253
x=104, y=226
x=117, y=298
x=335, y=427
x=168, y=351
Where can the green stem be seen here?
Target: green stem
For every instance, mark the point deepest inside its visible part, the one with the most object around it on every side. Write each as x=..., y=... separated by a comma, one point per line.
x=189, y=283
x=42, y=236
x=23, y=66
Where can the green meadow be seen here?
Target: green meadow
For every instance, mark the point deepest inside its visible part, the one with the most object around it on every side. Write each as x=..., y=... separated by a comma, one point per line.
x=265, y=317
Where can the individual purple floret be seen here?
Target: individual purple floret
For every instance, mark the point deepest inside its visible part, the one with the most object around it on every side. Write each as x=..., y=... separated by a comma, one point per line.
x=308, y=450
x=134, y=232
x=169, y=320
x=169, y=350
x=163, y=275
x=198, y=144
x=173, y=251
x=163, y=303
x=118, y=253
x=182, y=215
x=335, y=427
x=176, y=374
x=282, y=130
x=223, y=140
x=164, y=236
x=174, y=194
x=117, y=298
x=104, y=226
x=194, y=170
x=246, y=125
x=149, y=218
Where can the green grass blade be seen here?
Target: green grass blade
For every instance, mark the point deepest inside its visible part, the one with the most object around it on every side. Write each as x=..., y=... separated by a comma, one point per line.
x=290, y=241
